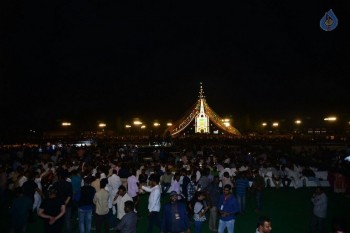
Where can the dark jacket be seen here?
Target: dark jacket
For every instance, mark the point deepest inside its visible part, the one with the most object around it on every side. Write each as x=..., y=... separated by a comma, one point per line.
x=175, y=218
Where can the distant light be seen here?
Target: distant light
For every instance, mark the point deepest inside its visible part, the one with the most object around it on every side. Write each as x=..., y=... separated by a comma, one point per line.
x=275, y=124
x=66, y=124
x=298, y=122
x=127, y=126
x=169, y=124
x=156, y=124
x=226, y=120
x=143, y=126
x=137, y=123
x=102, y=125
x=332, y=118
x=227, y=124
x=264, y=124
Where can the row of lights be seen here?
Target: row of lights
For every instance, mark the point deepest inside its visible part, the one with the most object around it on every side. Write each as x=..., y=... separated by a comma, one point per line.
x=66, y=124
x=274, y=124
x=299, y=122
x=226, y=122
x=143, y=126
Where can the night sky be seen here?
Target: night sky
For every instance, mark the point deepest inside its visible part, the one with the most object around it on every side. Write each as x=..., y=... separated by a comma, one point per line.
x=86, y=61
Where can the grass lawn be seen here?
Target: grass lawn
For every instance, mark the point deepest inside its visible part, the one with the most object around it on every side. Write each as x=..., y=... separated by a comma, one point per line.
x=289, y=209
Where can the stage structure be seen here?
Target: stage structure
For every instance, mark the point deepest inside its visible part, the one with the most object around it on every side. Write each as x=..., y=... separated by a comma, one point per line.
x=201, y=114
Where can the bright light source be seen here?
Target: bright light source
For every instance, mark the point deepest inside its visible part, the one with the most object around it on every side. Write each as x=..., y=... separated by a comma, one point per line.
x=143, y=126
x=102, y=125
x=127, y=126
x=332, y=118
x=66, y=124
x=156, y=124
x=169, y=124
x=275, y=124
x=227, y=124
x=298, y=122
x=264, y=124
x=226, y=120
x=137, y=123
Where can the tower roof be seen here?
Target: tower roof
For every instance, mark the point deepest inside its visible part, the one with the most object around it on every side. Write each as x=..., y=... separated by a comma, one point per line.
x=187, y=118
x=201, y=91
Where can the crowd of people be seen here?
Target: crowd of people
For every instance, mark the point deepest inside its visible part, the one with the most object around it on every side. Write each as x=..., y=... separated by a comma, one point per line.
x=102, y=186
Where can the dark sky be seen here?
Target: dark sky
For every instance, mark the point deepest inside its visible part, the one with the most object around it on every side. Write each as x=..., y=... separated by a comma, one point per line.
x=89, y=60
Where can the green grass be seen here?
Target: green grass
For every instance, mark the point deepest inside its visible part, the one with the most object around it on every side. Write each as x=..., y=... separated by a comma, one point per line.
x=289, y=209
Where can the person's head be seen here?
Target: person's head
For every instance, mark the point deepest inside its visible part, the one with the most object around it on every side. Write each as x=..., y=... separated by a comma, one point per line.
x=63, y=175
x=226, y=174
x=103, y=183
x=318, y=191
x=87, y=180
x=264, y=225
x=177, y=176
x=227, y=189
x=216, y=179
x=193, y=178
x=201, y=196
x=121, y=190
x=36, y=175
x=153, y=180
x=339, y=224
x=132, y=171
x=129, y=206
x=173, y=196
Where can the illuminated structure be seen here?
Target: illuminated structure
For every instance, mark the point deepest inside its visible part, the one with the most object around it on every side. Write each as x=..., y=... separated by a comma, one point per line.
x=202, y=115
x=202, y=120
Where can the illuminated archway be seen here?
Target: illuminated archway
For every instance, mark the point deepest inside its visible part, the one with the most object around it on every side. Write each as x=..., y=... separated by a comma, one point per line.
x=202, y=114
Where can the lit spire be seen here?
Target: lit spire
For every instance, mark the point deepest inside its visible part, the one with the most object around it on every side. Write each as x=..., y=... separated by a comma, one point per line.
x=201, y=91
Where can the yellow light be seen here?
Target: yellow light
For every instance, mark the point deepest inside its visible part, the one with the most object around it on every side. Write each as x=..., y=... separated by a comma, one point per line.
x=102, y=125
x=226, y=120
x=227, y=124
x=275, y=124
x=137, y=123
x=264, y=124
x=156, y=124
x=332, y=118
x=66, y=124
x=127, y=126
x=298, y=122
x=143, y=126
x=169, y=124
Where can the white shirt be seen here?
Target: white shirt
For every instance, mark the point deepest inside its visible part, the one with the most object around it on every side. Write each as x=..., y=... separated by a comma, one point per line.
x=175, y=186
x=114, y=181
x=120, y=201
x=154, y=198
x=133, y=189
x=113, y=186
x=226, y=170
x=22, y=180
